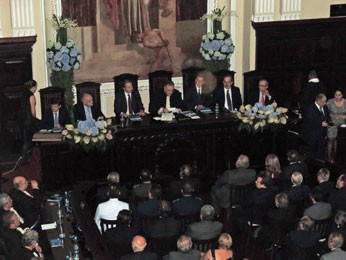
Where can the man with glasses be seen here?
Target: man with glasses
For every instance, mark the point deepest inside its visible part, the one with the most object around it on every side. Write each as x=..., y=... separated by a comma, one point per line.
x=262, y=95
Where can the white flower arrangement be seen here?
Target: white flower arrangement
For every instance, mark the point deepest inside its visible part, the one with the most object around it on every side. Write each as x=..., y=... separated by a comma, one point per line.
x=217, y=14
x=63, y=58
x=258, y=117
x=61, y=22
x=217, y=46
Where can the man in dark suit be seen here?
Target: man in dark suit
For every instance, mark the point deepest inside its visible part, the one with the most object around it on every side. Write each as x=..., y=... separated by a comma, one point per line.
x=28, y=206
x=335, y=242
x=167, y=101
x=6, y=205
x=9, y=232
x=86, y=110
x=206, y=228
x=141, y=191
x=295, y=165
x=311, y=90
x=55, y=117
x=237, y=177
x=195, y=97
x=262, y=95
x=297, y=191
x=315, y=124
x=118, y=239
x=138, y=245
x=113, y=179
x=338, y=197
x=303, y=236
x=30, y=247
x=324, y=185
x=228, y=96
x=319, y=210
x=128, y=102
x=187, y=204
x=185, y=251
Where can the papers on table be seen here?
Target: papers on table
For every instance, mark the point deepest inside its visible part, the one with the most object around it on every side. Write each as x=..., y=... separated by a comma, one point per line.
x=190, y=114
x=48, y=226
x=56, y=242
x=206, y=111
x=167, y=117
x=135, y=118
x=45, y=131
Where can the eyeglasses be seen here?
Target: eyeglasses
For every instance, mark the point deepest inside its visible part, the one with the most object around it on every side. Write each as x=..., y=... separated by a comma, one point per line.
x=262, y=85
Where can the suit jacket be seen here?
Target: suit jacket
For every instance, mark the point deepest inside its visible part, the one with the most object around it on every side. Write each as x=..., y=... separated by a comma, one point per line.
x=326, y=187
x=22, y=253
x=159, y=101
x=336, y=254
x=219, y=97
x=338, y=199
x=312, y=123
x=254, y=98
x=309, y=93
x=164, y=227
x=280, y=218
x=193, y=254
x=11, y=237
x=174, y=187
x=285, y=176
x=204, y=229
x=298, y=192
x=319, y=211
x=238, y=177
x=304, y=238
x=118, y=240
x=191, y=98
x=140, y=256
x=79, y=113
x=27, y=207
x=102, y=196
x=120, y=104
x=187, y=206
x=141, y=190
x=47, y=121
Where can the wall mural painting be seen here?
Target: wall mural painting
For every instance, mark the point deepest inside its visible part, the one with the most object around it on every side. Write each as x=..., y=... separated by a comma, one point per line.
x=136, y=36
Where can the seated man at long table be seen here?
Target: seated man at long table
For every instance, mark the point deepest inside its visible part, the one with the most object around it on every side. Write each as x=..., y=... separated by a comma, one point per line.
x=55, y=117
x=168, y=101
x=86, y=109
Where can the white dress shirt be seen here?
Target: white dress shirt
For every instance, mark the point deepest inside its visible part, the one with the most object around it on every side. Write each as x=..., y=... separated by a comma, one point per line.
x=230, y=95
x=127, y=101
x=109, y=210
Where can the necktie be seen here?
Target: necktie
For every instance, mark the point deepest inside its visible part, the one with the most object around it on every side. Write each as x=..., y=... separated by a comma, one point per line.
x=229, y=101
x=263, y=100
x=321, y=110
x=168, y=102
x=199, y=95
x=55, y=118
x=129, y=101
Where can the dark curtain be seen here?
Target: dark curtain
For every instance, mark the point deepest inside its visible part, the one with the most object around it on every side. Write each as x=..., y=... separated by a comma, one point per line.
x=190, y=9
x=82, y=11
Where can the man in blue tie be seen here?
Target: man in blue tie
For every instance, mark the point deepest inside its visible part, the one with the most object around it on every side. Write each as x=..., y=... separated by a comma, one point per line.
x=55, y=117
x=86, y=109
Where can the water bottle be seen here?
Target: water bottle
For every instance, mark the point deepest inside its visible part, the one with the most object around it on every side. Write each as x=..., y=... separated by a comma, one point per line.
x=217, y=110
x=122, y=119
x=75, y=247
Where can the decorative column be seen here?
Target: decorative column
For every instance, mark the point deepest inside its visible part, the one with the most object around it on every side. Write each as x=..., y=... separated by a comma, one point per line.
x=22, y=14
x=290, y=9
x=263, y=11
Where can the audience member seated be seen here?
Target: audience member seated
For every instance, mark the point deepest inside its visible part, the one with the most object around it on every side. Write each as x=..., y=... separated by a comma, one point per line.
x=338, y=197
x=55, y=117
x=187, y=204
x=11, y=232
x=29, y=248
x=295, y=165
x=206, y=228
x=223, y=252
x=273, y=167
x=7, y=205
x=220, y=192
x=324, y=185
x=303, y=236
x=165, y=226
x=110, y=209
x=113, y=179
x=297, y=191
x=339, y=223
x=335, y=242
x=149, y=208
x=185, y=251
x=141, y=191
x=86, y=110
x=27, y=205
x=175, y=187
x=118, y=239
x=278, y=221
x=138, y=246
x=319, y=210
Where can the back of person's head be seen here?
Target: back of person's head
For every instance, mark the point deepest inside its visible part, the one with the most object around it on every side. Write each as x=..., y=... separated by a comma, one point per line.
x=207, y=212
x=273, y=165
x=340, y=218
x=225, y=241
x=113, y=192
x=293, y=156
x=145, y=175
x=281, y=201
x=31, y=83
x=185, y=170
x=7, y=219
x=138, y=243
x=297, y=178
x=113, y=178
x=124, y=217
x=155, y=191
x=3, y=199
x=165, y=208
x=30, y=238
x=317, y=195
x=335, y=240
x=243, y=161
x=187, y=188
x=312, y=74
x=320, y=96
x=184, y=244
x=324, y=174
x=306, y=223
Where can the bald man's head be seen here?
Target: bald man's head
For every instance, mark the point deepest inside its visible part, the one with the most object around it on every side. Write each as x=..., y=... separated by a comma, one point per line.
x=20, y=183
x=138, y=243
x=87, y=99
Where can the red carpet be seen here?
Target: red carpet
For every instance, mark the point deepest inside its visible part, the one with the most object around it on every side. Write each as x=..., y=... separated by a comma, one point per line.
x=31, y=170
